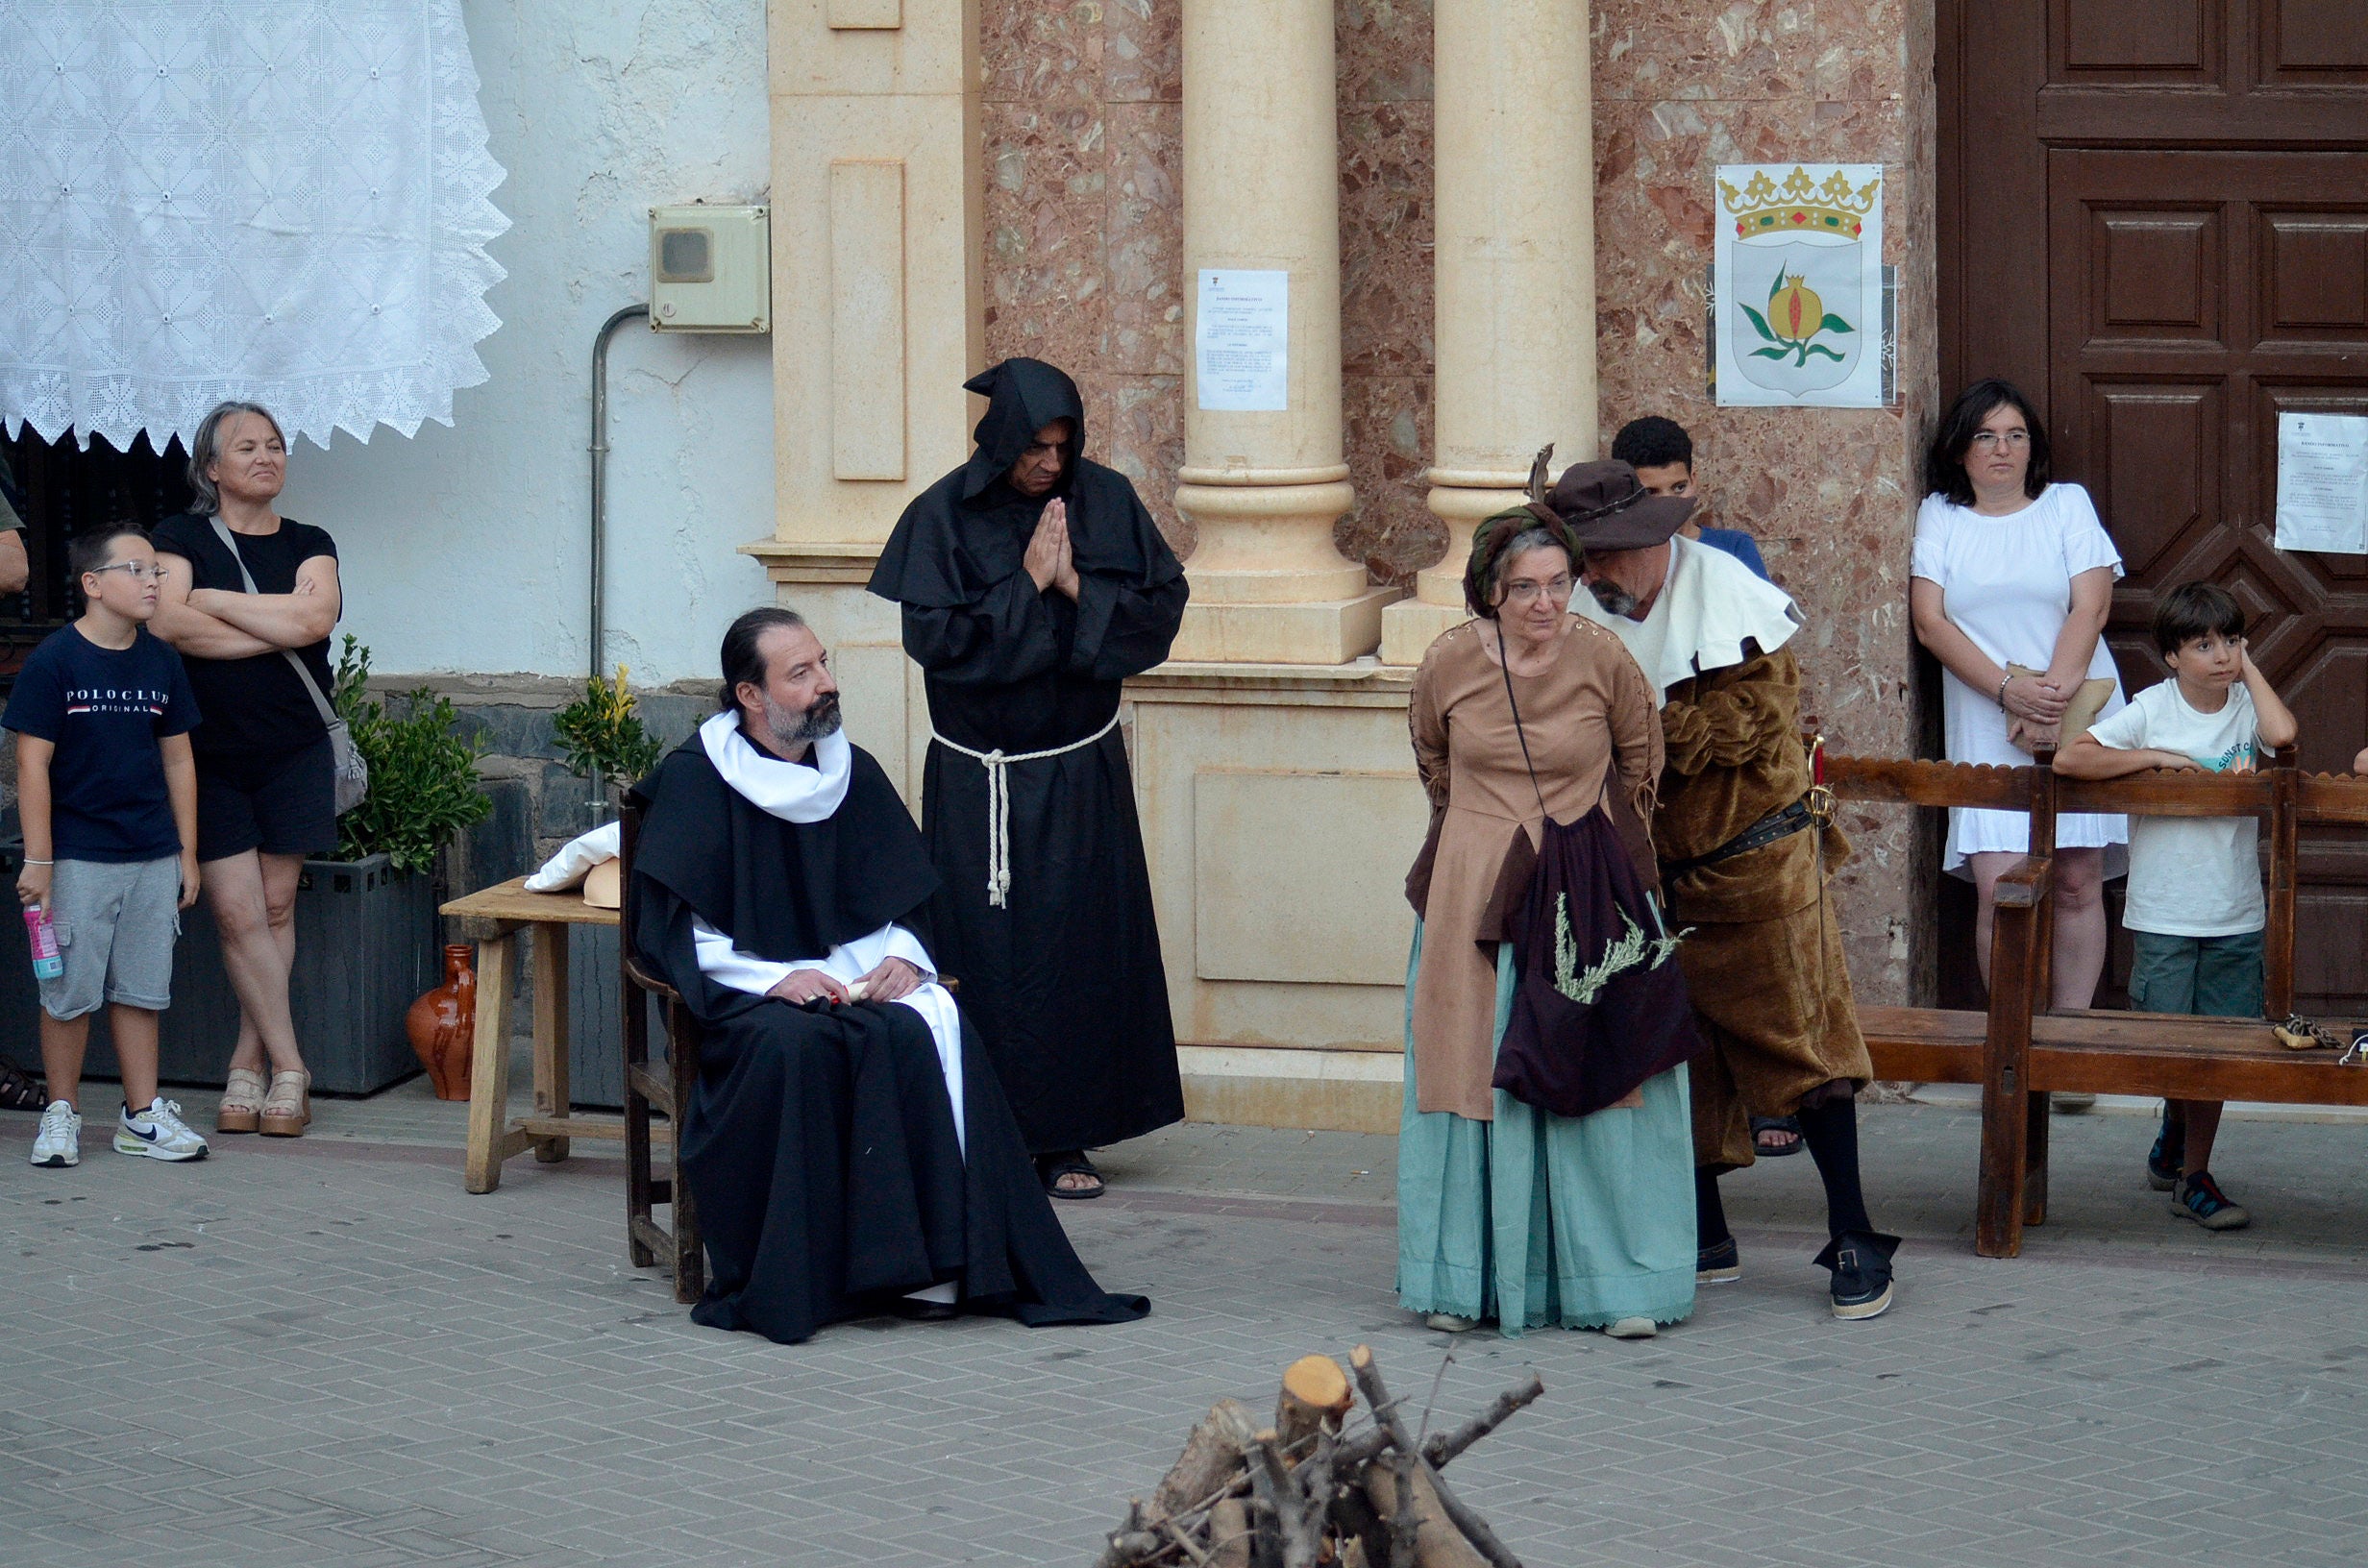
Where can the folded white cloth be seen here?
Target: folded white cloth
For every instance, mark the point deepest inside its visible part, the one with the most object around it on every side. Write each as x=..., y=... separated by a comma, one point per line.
x=577, y=858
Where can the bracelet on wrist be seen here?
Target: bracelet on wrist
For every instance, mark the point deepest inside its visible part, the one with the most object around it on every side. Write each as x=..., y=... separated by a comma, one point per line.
x=31, y=862
x=2003, y=681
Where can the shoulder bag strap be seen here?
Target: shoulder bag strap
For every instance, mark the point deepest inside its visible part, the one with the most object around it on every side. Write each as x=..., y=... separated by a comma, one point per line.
x=1505, y=665
x=328, y=714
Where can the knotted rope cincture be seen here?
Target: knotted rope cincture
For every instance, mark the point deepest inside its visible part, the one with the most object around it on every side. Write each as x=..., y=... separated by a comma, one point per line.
x=999, y=802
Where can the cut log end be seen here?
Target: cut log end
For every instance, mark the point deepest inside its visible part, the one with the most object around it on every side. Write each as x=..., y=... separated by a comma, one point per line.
x=1318, y=1383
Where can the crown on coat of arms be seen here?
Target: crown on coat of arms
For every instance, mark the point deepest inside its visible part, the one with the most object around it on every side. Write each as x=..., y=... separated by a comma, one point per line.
x=1799, y=205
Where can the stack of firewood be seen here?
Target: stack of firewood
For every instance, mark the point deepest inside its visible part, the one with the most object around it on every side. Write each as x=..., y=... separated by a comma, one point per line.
x=1311, y=1492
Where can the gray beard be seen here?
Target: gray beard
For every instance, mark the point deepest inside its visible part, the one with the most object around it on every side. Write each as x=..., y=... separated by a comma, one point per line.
x=1614, y=599
x=791, y=727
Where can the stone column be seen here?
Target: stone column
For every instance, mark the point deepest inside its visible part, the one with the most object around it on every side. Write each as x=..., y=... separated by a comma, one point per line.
x=878, y=319
x=1516, y=256
x=1265, y=487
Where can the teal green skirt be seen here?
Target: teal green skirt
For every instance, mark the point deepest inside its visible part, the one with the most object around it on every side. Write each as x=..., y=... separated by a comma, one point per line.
x=1535, y=1219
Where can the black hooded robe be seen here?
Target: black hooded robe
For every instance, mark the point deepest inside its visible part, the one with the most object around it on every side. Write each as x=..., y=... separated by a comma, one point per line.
x=820, y=1144
x=1065, y=980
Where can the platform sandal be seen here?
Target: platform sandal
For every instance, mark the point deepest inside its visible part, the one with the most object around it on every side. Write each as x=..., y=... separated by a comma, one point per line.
x=288, y=1107
x=241, y=1110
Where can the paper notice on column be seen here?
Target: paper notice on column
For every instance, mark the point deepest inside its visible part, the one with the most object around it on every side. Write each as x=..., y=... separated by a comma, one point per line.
x=1242, y=341
x=2323, y=482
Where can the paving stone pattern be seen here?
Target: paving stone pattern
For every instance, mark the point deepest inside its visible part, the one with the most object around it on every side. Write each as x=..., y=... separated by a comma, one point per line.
x=327, y=1353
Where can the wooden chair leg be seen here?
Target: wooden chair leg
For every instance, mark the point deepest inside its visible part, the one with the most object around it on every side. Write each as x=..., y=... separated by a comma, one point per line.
x=2036, y=1125
x=635, y=1006
x=683, y=1042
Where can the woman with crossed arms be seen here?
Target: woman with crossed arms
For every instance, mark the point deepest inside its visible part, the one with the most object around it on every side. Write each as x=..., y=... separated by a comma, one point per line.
x=266, y=796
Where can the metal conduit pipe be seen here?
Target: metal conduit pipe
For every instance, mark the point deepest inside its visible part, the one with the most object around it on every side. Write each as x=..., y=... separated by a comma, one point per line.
x=600, y=477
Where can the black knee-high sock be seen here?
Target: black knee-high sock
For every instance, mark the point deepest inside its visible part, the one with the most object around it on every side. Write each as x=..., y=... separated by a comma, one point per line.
x=1831, y=1133
x=1709, y=1215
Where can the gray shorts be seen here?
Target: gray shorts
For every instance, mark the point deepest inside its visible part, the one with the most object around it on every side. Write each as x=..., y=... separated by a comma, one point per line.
x=115, y=924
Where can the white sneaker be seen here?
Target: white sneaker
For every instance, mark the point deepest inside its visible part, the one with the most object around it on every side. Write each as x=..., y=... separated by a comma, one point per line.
x=158, y=1133
x=59, y=1142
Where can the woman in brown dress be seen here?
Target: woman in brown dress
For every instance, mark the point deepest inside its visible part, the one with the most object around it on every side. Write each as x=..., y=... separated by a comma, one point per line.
x=1506, y=1212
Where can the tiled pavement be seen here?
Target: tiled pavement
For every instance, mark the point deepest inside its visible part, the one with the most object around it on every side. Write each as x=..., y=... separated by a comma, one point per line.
x=327, y=1353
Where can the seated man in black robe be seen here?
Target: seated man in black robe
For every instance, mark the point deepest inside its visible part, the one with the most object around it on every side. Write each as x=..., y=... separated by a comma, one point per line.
x=848, y=1147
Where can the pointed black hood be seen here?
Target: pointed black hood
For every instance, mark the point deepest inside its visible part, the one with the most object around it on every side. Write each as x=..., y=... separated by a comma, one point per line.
x=970, y=531
x=1023, y=397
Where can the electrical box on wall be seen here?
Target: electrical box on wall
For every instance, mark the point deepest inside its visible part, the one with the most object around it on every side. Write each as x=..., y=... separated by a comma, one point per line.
x=710, y=269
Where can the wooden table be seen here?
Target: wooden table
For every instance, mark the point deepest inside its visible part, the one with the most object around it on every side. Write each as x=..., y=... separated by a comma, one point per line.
x=492, y=919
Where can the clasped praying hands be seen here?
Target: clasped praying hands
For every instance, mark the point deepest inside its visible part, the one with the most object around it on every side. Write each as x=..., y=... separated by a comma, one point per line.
x=1050, y=561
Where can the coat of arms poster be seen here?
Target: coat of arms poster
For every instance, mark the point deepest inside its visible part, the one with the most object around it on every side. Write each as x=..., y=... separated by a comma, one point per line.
x=1798, y=285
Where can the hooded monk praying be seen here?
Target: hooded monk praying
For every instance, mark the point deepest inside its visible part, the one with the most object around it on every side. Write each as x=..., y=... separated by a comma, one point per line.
x=1033, y=583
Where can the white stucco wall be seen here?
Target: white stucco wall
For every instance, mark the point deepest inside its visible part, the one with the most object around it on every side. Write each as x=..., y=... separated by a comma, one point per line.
x=466, y=550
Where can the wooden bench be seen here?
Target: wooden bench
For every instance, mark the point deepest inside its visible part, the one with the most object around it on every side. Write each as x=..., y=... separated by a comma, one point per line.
x=2020, y=1049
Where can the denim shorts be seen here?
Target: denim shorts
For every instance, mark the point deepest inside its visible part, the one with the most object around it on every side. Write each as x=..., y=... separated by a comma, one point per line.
x=2217, y=977
x=116, y=923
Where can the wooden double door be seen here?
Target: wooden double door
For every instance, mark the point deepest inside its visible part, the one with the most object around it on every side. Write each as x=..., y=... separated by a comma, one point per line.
x=2154, y=217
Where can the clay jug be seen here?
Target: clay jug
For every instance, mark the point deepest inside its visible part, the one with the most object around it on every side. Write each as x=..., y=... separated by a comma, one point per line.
x=443, y=1025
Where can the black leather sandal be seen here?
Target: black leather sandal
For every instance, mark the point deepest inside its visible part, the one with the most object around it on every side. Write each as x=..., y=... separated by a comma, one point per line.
x=1786, y=1127
x=1052, y=1168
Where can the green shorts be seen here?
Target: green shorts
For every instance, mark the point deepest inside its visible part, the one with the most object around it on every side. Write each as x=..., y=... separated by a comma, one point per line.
x=2217, y=977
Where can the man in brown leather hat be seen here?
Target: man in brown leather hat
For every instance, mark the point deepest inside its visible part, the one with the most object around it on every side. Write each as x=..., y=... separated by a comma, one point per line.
x=1745, y=850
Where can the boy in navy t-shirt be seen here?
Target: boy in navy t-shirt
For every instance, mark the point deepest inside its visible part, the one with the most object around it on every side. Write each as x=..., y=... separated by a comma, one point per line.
x=1661, y=453
x=107, y=792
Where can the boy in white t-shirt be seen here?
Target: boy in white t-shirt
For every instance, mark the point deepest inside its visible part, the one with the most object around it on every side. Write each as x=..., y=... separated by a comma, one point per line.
x=2195, y=910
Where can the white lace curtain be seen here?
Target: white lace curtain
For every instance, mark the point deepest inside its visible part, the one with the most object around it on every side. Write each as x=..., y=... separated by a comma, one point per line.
x=260, y=199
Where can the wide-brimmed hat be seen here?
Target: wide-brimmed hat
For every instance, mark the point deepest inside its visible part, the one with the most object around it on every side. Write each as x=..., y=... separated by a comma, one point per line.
x=1609, y=508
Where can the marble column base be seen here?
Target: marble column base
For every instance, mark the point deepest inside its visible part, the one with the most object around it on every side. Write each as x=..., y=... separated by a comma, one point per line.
x=1409, y=626
x=1328, y=631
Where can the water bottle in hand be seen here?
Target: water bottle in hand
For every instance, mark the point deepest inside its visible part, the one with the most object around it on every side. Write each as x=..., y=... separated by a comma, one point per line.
x=42, y=936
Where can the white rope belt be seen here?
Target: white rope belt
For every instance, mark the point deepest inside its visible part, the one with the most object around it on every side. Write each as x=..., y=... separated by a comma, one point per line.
x=999, y=800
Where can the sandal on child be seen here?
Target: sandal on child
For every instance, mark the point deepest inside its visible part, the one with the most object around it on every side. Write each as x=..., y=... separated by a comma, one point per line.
x=241, y=1110
x=288, y=1107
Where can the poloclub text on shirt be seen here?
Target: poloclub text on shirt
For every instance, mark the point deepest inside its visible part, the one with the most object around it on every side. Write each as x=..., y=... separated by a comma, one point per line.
x=147, y=699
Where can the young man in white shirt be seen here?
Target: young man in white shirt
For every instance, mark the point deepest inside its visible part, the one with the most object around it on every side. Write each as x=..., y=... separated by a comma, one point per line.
x=2195, y=910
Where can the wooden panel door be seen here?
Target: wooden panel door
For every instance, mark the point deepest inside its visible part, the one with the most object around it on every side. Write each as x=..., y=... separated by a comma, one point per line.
x=2155, y=217
x=2195, y=296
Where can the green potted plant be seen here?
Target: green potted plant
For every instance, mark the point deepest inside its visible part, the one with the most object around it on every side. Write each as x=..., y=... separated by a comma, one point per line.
x=424, y=791
x=603, y=739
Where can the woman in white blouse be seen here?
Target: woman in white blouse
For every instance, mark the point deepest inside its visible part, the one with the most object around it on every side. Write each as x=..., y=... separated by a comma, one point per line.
x=2011, y=570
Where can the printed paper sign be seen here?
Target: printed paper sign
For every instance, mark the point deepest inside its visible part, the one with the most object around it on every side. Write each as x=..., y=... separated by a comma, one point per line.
x=1242, y=341
x=2323, y=482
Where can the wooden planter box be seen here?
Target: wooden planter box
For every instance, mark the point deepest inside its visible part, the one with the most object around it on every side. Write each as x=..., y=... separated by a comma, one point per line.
x=365, y=949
